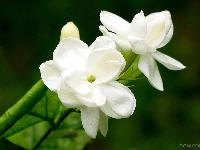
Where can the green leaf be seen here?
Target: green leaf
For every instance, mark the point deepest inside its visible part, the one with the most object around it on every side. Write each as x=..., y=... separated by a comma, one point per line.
x=46, y=124
x=28, y=137
x=22, y=106
x=47, y=109
x=22, y=124
x=70, y=140
x=131, y=74
x=69, y=135
x=6, y=145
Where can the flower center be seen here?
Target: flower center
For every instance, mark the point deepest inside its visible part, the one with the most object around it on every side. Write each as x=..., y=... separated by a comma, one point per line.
x=91, y=78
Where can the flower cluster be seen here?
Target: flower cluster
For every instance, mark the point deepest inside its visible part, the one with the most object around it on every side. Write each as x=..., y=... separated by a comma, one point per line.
x=87, y=77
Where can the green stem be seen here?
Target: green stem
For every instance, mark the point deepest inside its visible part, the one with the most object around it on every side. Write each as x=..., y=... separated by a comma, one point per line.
x=23, y=106
x=57, y=124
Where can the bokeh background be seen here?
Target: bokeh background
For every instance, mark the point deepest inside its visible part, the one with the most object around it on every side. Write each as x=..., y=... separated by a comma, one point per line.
x=30, y=30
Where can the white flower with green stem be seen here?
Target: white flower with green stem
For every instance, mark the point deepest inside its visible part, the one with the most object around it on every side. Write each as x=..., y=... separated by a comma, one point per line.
x=144, y=35
x=85, y=78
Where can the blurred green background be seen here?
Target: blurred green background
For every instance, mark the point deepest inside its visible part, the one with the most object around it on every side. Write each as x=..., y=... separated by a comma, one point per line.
x=30, y=30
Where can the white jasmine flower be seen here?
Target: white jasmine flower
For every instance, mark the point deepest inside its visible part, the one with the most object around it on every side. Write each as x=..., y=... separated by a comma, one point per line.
x=84, y=77
x=144, y=35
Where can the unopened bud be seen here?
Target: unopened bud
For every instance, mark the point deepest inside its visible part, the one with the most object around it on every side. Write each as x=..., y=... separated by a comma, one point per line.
x=69, y=30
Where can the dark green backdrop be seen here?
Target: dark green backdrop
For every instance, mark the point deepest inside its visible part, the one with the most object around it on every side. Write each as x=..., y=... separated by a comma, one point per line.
x=30, y=30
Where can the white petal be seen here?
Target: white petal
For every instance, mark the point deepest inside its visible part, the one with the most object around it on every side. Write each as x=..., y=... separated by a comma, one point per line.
x=149, y=68
x=94, y=99
x=50, y=74
x=138, y=45
x=107, y=109
x=121, y=41
x=67, y=96
x=120, y=101
x=78, y=82
x=138, y=26
x=103, y=42
x=167, y=61
x=167, y=37
x=105, y=65
x=103, y=124
x=156, y=30
x=168, y=25
x=114, y=23
x=90, y=120
x=71, y=54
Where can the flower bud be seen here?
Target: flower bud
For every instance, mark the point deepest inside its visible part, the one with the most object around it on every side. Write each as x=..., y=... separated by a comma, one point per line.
x=69, y=30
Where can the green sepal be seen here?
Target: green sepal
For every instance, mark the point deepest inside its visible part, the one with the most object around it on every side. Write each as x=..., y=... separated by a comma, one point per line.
x=131, y=74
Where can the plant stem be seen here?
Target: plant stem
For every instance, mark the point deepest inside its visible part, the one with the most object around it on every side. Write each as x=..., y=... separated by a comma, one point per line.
x=24, y=105
x=57, y=124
